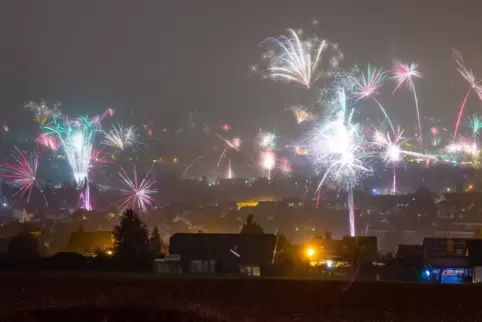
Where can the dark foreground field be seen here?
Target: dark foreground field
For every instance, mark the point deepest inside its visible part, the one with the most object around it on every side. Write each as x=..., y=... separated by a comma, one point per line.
x=121, y=297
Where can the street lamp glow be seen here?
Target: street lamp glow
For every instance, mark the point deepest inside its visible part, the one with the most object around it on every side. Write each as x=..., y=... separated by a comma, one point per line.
x=310, y=252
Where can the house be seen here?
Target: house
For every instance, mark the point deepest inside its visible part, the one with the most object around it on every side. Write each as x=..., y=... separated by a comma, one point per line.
x=167, y=264
x=359, y=249
x=223, y=253
x=447, y=260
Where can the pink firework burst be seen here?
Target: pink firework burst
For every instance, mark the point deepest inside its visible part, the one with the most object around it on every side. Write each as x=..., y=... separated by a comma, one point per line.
x=469, y=76
x=466, y=73
x=137, y=194
x=20, y=172
x=48, y=141
x=226, y=127
x=369, y=83
x=404, y=73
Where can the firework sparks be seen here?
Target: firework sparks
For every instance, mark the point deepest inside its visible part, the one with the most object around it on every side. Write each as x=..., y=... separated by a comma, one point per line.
x=391, y=145
x=367, y=86
x=77, y=139
x=236, y=143
x=196, y=160
x=121, y=137
x=463, y=147
x=475, y=124
x=404, y=74
x=301, y=60
x=435, y=135
x=469, y=76
x=337, y=146
x=48, y=141
x=338, y=149
x=42, y=112
x=285, y=166
x=301, y=114
x=461, y=112
x=393, y=152
x=266, y=140
x=22, y=171
x=137, y=195
x=268, y=161
x=369, y=83
x=229, y=171
x=466, y=73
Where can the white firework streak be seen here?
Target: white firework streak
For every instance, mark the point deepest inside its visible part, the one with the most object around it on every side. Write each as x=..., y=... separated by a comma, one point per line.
x=299, y=60
x=121, y=137
x=339, y=148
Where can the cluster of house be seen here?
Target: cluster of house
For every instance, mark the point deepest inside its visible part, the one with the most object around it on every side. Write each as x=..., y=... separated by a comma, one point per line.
x=442, y=260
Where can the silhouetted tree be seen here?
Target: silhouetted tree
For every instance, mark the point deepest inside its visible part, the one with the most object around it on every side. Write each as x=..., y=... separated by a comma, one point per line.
x=251, y=227
x=23, y=247
x=155, y=241
x=132, y=249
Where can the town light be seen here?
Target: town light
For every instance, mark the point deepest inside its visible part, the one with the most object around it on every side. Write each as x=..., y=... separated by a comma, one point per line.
x=310, y=252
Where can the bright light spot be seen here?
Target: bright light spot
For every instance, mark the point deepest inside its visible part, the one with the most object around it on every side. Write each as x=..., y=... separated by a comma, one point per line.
x=427, y=273
x=78, y=141
x=236, y=142
x=267, y=139
x=109, y=252
x=394, y=153
x=329, y=263
x=268, y=160
x=310, y=252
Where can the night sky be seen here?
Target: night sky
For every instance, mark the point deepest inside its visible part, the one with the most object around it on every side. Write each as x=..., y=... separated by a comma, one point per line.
x=166, y=58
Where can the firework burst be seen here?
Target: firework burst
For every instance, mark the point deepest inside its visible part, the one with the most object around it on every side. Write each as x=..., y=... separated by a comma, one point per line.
x=369, y=83
x=404, y=74
x=49, y=141
x=137, y=194
x=42, y=112
x=367, y=86
x=469, y=76
x=391, y=144
x=466, y=73
x=266, y=140
x=121, y=137
x=268, y=161
x=21, y=172
x=338, y=148
x=77, y=139
x=303, y=61
x=301, y=114
x=392, y=151
x=475, y=124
